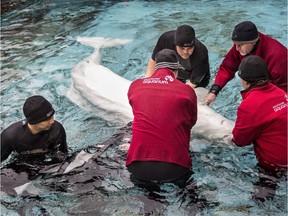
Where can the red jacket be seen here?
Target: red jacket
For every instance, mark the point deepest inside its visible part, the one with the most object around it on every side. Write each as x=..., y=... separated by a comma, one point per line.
x=165, y=110
x=273, y=53
x=262, y=120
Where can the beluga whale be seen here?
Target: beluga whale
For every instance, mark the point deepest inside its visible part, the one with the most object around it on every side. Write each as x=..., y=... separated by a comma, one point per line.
x=98, y=84
x=108, y=91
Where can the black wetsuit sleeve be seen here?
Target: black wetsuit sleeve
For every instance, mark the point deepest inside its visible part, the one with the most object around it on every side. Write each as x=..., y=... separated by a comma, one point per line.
x=200, y=66
x=7, y=140
x=201, y=74
x=57, y=138
x=62, y=140
x=6, y=150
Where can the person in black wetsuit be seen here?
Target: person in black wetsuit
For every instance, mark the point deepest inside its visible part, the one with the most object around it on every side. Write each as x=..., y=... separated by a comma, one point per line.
x=38, y=135
x=192, y=55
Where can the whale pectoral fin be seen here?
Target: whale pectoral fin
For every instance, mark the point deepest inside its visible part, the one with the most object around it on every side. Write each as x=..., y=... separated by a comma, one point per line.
x=81, y=158
x=20, y=189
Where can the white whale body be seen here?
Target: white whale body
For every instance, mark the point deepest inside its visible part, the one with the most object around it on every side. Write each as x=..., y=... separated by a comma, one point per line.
x=98, y=84
x=107, y=90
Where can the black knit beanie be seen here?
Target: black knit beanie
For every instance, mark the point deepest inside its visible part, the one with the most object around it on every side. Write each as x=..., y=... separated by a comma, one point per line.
x=166, y=58
x=184, y=36
x=253, y=68
x=245, y=32
x=37, y=109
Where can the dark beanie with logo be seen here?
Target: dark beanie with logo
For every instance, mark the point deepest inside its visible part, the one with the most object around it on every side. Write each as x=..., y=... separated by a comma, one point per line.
x=37, y=109
x=245, y=32
x=166, y=58
x=184, y=36
x=253, y=68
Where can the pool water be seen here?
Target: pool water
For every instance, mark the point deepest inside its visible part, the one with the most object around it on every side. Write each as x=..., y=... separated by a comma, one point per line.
x=38, y=52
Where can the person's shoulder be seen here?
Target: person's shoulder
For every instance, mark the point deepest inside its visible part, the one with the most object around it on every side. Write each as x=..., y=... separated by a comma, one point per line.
x=13, y=131
x=168, y=35
x=276, y=90
x=201, y=51
x=199, y=45
x=268, y=39
x=139, y=80
x=15, y=126
x=251, y=98
x=185, y=88
x=58, y=126
x=265, y=36
x=136, y=83
x=58, y=123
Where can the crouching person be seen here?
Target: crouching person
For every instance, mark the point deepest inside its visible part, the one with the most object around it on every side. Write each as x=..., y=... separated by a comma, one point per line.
x=165, y=110
x=262, y=121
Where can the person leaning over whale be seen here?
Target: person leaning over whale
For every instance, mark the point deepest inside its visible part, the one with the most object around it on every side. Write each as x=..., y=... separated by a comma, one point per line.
x=38, y=135
x=192, y=55
x=165, y=110
x=249, y=41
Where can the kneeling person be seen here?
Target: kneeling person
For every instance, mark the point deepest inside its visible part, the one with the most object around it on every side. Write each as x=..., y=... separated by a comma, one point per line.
x=262, y=115
x=165, y=110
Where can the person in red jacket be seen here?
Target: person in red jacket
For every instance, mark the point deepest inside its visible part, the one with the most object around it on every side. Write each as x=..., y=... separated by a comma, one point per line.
x=248, y=41
x=262, y=118
x=165, y=110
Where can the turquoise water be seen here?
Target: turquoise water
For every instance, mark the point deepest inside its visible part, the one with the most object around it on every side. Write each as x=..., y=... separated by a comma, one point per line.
x=38, y=53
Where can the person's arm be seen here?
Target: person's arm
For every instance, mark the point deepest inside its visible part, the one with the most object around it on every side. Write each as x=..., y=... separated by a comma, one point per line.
x=211, y=96
x=193, y=108
x=150, y=68
x=245, y=130
x=6, y=147
x=62, y=140
x=60, y=148
x=226, y=72
x=57, y=138
x=192, y=85
x=166, y=40
x=200, y=75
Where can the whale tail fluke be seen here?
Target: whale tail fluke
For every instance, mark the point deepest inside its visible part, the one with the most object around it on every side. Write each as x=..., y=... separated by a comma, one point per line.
x=97, y=43
x=101, y=42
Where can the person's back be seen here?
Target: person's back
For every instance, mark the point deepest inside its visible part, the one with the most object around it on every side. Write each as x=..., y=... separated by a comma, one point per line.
x=275, y=55
x=164, y=111
x=268, y=128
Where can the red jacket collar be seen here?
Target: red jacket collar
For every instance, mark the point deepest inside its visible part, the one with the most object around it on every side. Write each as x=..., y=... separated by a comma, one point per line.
x=161, y=72
x=246, y=92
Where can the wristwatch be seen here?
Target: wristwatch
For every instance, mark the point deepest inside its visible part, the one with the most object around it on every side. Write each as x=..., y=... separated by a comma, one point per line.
x=215, y=89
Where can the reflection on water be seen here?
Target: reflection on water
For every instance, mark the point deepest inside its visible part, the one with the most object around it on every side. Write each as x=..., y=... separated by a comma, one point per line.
x=38, y=53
